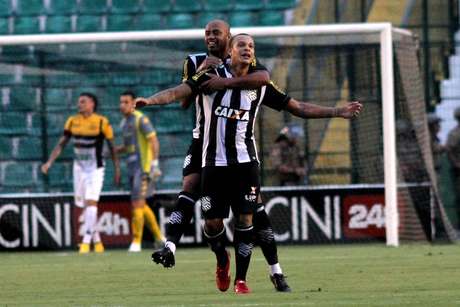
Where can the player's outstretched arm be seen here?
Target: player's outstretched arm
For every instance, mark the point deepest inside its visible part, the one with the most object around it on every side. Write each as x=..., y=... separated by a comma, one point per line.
x=167, y=96
x=250, y=81
x=311, y=110
x=55, y=153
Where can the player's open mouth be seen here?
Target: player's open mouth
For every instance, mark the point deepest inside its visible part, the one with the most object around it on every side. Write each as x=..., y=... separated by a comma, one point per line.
x=212, y=44
x=246, y=56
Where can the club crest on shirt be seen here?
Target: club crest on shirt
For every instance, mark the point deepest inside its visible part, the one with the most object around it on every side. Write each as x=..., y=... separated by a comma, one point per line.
x=252, y=95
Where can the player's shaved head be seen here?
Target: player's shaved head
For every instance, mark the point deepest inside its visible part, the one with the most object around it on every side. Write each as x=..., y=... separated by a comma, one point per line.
x=219, y=23
x=216, y=37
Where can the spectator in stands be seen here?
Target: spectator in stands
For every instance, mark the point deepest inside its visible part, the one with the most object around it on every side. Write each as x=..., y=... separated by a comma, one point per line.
x=410, y=160
x=140, y=144
x=453, y=152
x=287, y=157
x=89, y=130
x=436, y=147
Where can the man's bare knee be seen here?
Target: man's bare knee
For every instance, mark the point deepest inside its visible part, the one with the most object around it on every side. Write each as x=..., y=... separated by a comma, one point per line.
x=89, y=202
x=191, y=183
x=245, y=220
x=213, y=226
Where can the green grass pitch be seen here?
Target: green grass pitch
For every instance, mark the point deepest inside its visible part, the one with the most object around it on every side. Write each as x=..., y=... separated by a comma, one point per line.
x=342, y=275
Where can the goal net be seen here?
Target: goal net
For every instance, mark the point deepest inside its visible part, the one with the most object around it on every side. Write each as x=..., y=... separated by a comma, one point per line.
x=387, y=148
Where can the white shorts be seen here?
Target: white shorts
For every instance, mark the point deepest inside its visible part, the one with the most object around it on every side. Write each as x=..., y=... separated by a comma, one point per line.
x=87, y=185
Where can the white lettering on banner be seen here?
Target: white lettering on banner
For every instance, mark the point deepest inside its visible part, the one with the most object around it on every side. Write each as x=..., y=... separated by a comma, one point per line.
x=295, y=219
x=67, y=231
x=113, y=224
x=108, y=223
x=337, y=221
x=283, y=201
x=33, y=224
x=38, y=219
x=5, y=243
x=303, y=214
x=307, y=211
x=361, y=218
x=25, y=227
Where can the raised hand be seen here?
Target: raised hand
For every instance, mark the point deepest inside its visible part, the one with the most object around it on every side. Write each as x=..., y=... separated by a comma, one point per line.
x=45, y=167
x=209, y=62
x=352, y=109
x=216, y=83
x=141, y=102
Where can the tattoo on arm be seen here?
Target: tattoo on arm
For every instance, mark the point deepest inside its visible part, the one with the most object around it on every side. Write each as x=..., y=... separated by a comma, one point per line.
x=170, y=95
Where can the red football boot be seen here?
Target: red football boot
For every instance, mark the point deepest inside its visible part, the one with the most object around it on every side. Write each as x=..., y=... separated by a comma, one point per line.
x=223, y=275
x=241, y=287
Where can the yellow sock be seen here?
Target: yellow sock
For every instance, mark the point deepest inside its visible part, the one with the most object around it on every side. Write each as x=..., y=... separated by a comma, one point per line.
x=152, y=223
x=137, y=224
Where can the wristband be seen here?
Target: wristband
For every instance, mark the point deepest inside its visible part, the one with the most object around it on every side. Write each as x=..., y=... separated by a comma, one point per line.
x=156, y=163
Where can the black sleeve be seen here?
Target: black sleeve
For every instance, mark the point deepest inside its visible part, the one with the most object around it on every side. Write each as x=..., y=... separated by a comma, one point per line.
x=188, y=69
x=196, y=80
x=256, y=66
x=274, y=98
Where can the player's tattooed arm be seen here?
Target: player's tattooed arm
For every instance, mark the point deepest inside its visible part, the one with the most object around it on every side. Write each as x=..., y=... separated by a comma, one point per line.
x=311, y=110
x=250, y=81
x=116, y=162
x=55, y=153
x=167, y=96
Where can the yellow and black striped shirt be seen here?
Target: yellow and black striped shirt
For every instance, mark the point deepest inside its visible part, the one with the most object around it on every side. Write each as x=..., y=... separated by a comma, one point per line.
x=88, y=135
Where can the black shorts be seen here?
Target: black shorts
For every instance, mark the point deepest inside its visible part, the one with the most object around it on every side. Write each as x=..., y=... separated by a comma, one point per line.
x=192, y=161
x=235, y=186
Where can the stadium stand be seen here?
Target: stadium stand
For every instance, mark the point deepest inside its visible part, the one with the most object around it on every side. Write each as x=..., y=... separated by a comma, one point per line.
x=187, y=6
x=244, y=5
x=29, y=7
x=27, y=25
x=89, y=23
x=125, y=7
x=4, y=25
x=93, y=7
x=153, y=6
x=58, y=24
x=218, y=5
x=57, y=91
x=57, y=7
x=6, y=8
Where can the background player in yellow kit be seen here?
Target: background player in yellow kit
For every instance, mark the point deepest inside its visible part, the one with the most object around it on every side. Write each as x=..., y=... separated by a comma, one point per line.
x=140, y=144
x=88, y=131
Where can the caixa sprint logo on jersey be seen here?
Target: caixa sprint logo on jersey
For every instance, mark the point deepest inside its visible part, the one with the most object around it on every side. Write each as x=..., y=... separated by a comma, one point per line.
x=223, y=111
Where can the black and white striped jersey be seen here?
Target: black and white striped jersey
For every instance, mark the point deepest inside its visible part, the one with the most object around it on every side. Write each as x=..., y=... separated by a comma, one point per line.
x=229, y=118
x=191, y=63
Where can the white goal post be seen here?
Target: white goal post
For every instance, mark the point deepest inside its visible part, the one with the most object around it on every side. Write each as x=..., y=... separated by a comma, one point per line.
x=384, y=30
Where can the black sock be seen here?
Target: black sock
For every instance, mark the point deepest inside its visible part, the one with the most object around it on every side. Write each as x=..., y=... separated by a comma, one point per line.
x=265, y=237
x=243, y=242
x=217, y=244
x=181, y=217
